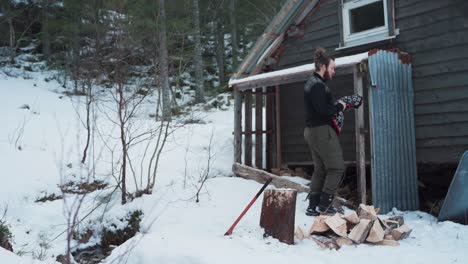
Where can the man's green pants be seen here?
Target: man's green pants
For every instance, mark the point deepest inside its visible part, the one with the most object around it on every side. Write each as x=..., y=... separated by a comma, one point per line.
x=328, y=159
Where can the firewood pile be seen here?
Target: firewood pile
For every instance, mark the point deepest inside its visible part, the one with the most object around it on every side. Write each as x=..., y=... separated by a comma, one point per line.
x=352, y=228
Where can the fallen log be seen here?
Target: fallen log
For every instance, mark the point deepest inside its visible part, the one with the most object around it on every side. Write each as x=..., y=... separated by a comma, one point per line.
x=261, y=176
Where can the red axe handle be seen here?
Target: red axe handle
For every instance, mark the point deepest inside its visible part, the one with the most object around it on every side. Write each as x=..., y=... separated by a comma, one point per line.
x=229, y=232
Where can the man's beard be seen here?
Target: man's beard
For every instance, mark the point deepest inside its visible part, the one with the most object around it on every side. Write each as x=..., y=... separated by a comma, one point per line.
x=327, y=76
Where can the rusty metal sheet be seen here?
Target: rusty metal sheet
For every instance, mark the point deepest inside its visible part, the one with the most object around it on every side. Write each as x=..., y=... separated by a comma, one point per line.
x=278, y=214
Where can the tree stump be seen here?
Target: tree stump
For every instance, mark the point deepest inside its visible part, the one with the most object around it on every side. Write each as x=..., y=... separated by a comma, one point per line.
x=278, y=214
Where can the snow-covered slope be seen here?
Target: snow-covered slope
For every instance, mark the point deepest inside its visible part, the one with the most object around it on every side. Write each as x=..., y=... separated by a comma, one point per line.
x=36, y=142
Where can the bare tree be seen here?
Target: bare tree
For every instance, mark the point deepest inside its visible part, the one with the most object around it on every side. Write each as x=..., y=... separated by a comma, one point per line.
x=45, y=29
x=205, y=172
x=219, y=33
x=234, y=40
x=198, y=60
x=163, y=62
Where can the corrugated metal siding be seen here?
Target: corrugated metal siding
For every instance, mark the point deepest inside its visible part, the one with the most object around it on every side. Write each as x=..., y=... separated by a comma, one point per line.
x=435, y=33
x=391, y=97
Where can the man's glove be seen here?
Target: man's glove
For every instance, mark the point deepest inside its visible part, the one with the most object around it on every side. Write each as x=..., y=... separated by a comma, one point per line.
x=352, y=101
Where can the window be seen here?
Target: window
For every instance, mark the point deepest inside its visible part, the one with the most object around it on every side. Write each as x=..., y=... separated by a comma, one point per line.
x=366, y=21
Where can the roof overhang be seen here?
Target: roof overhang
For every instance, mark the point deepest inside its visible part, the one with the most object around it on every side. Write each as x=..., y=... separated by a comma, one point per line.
x=294, y=74
x=293, y=12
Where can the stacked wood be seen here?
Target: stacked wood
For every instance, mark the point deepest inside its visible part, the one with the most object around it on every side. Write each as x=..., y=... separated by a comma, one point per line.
x=363, y=226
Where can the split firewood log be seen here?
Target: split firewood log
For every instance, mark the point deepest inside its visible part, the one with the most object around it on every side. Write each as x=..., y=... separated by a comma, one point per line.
x=325, y=242
x=300, y=233
x=352, y=217
x=401, y=232
x=319, y=225
x=359, y=233
x=392, y=223
x=387, y=242
x=376, y=234
x=337, y=225
x=367, y=212
x=341, y=241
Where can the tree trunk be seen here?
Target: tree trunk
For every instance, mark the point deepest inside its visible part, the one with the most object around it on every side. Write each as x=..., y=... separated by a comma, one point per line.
x=234, y=41
x=198, y=60
x=6, y=10
x=12, y=38
x=123, y=140
x=75, y=56
x=220, y=41
x=163, y=62
x=45, y=30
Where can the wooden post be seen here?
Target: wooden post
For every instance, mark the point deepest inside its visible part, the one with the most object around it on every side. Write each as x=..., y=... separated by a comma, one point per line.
x=248, y=128
x=278, y=214
x=269, y=127
x=237, y=126
x=259, y=128
x=360, y=138
x=278, y=126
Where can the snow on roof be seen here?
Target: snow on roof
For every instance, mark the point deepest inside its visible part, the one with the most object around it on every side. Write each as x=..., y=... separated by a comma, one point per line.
x=339, y=62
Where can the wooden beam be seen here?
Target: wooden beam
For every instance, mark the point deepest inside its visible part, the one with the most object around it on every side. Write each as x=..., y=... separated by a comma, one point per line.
x=278, y=126
x=248, y=129
x=360, y=138
x=287, y=78
x=261, y=176
x=258, y=132
x=275, y=80
x=391, y=17
x=237, y=126
x=258, y=128
x=269, y=127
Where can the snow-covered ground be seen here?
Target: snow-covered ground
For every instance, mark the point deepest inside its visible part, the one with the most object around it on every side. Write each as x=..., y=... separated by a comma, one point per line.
x=42, y=145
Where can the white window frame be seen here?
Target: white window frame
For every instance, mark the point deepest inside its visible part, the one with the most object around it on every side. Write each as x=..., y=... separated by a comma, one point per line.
x=367, y=36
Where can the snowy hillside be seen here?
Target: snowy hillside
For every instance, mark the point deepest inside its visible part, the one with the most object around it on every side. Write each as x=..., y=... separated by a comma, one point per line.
x=41, y=142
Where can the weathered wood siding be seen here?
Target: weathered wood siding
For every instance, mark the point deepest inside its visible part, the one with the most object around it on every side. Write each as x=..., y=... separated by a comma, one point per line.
x=293, y=121
x=435, y=33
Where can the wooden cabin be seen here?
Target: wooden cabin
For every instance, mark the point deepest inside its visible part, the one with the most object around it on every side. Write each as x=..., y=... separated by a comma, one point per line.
x=408, y=58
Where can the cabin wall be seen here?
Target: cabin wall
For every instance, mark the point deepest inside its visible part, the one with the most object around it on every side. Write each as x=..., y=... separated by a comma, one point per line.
x=435, y=33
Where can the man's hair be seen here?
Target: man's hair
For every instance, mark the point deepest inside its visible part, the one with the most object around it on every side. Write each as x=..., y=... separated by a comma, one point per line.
x=321, y=58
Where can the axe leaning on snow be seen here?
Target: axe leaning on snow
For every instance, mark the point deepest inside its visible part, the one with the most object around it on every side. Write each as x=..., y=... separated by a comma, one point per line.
x=229, y=232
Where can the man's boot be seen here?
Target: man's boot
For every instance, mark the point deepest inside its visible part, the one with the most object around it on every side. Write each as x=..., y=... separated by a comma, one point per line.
x=325, y=204
x=314, y=199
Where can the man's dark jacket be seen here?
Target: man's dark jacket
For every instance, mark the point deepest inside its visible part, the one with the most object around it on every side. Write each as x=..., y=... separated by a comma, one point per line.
x=320, y=108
